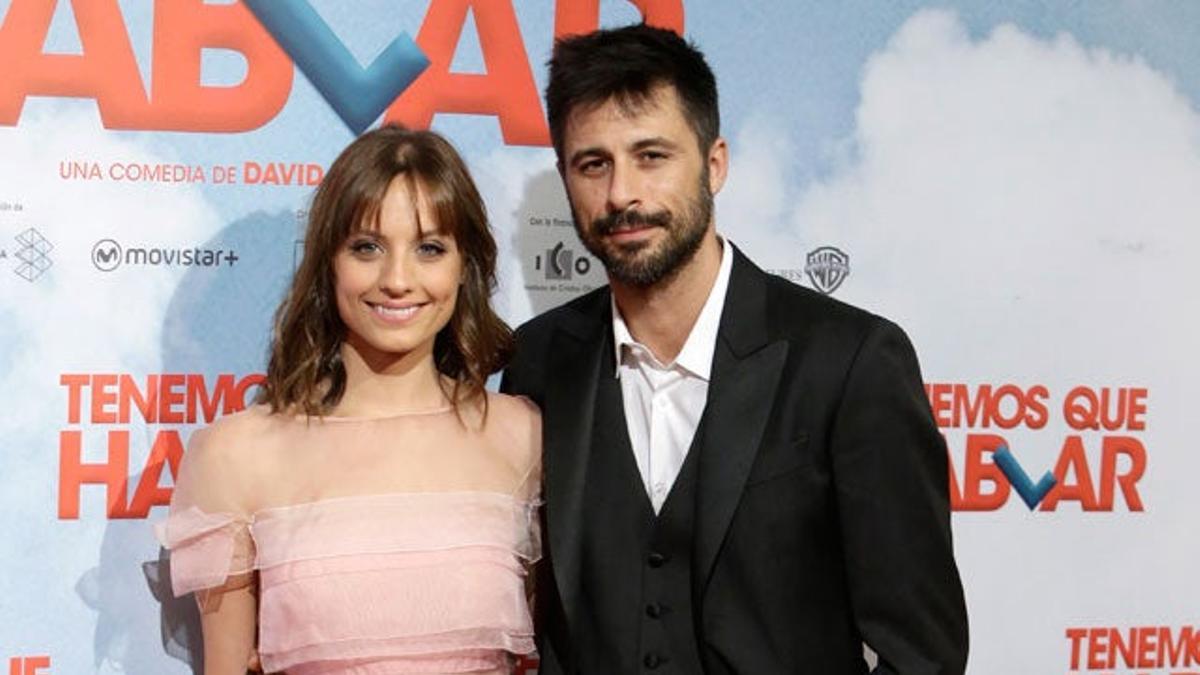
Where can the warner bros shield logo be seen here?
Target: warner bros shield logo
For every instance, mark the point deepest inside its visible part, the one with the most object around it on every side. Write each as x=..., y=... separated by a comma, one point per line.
x=827, y=267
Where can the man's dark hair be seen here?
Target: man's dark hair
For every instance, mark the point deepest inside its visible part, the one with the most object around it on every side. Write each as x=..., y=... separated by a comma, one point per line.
x=627, y=64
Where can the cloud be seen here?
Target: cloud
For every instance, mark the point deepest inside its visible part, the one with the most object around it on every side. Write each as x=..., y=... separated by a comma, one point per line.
x=753, y=206
x=76, y=318
x=1009, y=188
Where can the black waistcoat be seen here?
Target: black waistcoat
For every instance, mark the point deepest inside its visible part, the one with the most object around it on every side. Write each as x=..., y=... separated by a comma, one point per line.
x=635, y=613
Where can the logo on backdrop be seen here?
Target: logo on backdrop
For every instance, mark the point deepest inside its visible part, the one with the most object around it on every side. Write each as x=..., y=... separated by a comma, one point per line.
x=560, y=263
x=33, y=254
x=1100, y=461
x=409, y=82
x=554, y=268
x=1139, y=650
x=108, y=255
x=358, y=96
x=827, y=267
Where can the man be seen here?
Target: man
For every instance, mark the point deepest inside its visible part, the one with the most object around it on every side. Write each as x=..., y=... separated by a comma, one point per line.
x=741, y=476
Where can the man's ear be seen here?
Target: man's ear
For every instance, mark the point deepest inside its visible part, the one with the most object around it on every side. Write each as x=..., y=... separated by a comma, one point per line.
x=718, y=164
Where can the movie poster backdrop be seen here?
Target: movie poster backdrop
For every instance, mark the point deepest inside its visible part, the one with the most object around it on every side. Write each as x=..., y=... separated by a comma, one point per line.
x=1017, y=184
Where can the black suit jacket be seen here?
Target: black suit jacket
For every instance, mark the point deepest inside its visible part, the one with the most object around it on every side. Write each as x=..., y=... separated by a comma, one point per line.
x=822, y=515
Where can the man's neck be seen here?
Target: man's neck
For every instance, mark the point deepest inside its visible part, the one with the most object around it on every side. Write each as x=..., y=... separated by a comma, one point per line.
x=661, y=316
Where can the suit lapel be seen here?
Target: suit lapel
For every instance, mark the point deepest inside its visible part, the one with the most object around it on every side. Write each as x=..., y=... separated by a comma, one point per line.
x=576, y=352
x=745, y=376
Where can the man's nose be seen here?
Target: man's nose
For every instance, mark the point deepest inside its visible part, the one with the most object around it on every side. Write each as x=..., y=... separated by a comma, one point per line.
x=624, y=188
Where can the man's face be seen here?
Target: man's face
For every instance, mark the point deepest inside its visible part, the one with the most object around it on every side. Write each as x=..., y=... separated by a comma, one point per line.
x=640, y=189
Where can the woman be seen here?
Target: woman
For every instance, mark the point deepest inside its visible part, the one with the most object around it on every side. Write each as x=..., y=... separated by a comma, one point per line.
x=375, y=512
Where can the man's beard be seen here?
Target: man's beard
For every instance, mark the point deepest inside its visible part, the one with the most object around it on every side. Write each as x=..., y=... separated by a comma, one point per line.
x=628, y=263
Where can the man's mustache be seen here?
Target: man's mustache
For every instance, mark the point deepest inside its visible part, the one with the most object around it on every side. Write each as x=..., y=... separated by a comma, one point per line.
x=610, y=223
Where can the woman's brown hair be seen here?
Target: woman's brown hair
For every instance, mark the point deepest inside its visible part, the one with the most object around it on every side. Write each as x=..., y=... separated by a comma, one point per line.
x=305, y=371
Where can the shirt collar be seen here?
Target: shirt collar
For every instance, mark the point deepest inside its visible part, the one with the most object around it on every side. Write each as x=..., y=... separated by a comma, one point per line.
x=697, y=353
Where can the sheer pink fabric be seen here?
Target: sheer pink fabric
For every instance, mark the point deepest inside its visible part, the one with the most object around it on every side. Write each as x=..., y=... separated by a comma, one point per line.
x=395, y=545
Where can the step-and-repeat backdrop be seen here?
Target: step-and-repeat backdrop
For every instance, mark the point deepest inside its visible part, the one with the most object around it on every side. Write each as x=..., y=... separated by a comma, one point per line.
x=1017, y=184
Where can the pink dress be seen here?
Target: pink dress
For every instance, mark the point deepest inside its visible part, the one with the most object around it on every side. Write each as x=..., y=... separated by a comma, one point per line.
x=390, y=545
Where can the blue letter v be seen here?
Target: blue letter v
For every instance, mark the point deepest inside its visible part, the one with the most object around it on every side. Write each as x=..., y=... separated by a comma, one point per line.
x=1031, y=494
x=358, y=96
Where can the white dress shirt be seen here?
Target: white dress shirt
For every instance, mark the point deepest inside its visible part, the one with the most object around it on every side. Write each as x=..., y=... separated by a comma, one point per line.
x=664, y=401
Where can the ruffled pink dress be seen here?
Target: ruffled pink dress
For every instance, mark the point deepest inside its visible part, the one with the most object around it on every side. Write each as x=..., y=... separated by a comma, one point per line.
x=390, y=545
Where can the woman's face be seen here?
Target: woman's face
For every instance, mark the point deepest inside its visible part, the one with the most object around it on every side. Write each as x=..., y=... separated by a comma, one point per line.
x=396, y=284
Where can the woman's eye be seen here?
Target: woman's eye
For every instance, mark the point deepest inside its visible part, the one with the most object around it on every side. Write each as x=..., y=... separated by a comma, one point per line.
x=365, y=247
x=431, y=249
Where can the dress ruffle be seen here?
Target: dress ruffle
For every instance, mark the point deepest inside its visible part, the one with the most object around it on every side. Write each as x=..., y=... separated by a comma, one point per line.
x=206, y=548
x=432, y=580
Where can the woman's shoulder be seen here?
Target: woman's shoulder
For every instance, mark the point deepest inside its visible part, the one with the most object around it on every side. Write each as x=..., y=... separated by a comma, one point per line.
x=514, y=424
x=234, y=436
x=513, y=408
x=237, y=426
x=514, y=416
x=224, y=467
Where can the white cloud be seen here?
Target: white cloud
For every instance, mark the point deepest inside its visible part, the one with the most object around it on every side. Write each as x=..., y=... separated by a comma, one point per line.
x=1010, y=186
x=76, y=318
x=753, y=206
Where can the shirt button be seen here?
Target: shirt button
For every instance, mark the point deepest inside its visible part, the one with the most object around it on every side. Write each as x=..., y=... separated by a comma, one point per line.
x=654, y=610
x=656, y=559
x=652, y=660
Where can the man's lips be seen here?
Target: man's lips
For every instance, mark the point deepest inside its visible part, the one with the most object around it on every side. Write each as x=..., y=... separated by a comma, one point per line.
x=630, y=221
x=629, y=232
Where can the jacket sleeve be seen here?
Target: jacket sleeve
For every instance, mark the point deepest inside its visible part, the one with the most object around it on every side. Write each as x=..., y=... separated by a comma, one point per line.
x=525, y=374
x=891, y=474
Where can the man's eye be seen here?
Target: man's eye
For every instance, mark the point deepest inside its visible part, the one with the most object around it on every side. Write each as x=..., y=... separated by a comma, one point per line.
x=653, y=156
x=592, y=166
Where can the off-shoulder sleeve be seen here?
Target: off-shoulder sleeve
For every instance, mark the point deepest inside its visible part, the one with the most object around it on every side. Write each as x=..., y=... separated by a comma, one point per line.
x=528, y=437
x=207, y=529
x=529, y=491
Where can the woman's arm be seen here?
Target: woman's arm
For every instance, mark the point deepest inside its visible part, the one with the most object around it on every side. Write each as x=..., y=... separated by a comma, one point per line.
x=213, y=504
x=228, y=619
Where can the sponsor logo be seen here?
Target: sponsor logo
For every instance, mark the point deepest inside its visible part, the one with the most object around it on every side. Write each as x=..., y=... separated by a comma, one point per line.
x=108, y=255
x=33, y=252
x=1134, y=650
x=560, y=264
x=827, y=267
